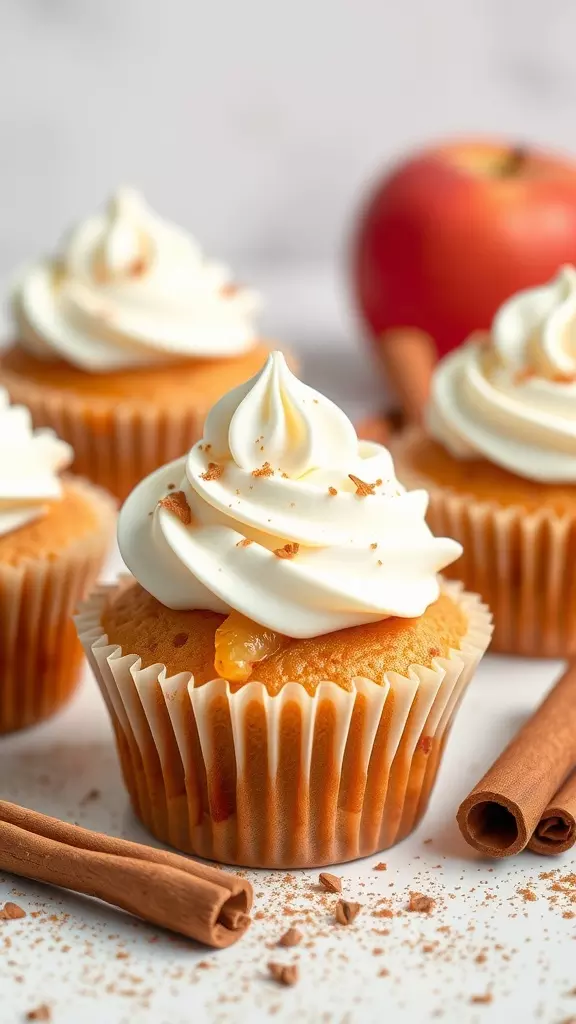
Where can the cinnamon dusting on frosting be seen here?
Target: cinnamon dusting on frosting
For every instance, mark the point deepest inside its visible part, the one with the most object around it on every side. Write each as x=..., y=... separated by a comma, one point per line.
x=177, y=503
x=214, y=472
x=364, y=489
x=288, y=551
x=265, y=470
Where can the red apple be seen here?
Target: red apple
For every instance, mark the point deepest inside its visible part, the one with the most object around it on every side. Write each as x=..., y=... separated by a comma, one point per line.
x=451, y=233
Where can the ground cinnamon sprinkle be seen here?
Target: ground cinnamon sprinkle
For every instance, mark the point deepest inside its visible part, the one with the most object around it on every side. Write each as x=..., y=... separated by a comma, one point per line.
x=288, y=551
x=332, y=491
x=363, y=489
x=420, y=904
x=11, y=912
x=214, y=472
x=245, y=543
x=265, y=470
x=284, y=974
x=177, y=504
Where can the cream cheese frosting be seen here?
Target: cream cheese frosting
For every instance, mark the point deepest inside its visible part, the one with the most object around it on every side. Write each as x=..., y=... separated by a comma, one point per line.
x=511, y=397
x=282, y=514
x=30, y=461
x=127, y=290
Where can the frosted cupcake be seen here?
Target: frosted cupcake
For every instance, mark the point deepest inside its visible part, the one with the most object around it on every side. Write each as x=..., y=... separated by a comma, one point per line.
x=283, y=669
x=54, y=534
x=124, y=340
x=499, y=460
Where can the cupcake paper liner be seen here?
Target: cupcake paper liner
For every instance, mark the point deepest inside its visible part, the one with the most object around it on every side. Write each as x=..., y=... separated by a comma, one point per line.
x=40, y=657
x=115, y=444
x=292, y=780
x=522, y=565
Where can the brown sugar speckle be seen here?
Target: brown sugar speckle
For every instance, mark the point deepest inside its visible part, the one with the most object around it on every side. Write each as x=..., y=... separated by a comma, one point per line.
x=284, y=974
x=214, y=472
x=346, y=912
x=177, y=503
x=292, y=937
x=332, y=883
x=11, y=912
x=288, y=551
x=420, y=904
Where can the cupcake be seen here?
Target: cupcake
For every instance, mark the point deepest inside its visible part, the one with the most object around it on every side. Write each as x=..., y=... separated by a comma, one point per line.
x=54, y=534
x=498, y=457
x=125, y=339
x=283, y=668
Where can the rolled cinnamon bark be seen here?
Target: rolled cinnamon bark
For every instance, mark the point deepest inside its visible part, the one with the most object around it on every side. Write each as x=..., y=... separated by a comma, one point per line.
x=177, y=893
x=556, y=831
x=500, y=815
x=408, y=356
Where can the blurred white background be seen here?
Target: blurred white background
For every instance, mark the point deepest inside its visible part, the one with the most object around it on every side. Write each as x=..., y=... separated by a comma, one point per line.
x=257, y=123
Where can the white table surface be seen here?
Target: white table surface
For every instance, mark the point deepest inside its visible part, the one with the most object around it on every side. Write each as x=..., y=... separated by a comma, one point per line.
x=485, y=939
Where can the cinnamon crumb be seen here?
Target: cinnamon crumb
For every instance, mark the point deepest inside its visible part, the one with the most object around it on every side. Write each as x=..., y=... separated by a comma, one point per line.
x=288, y=551
x=363, y=489
x=380, y=867
x=484, y=999
x=42, y=1012
x=244, y=543
x=346, y=912
x=292, y=937
x=177, y=504
x=373, y=546
x=11, y=912
x=527, y=895
x=214, y=472
x=284, y=974
x=420, y=904
x=265, y=470
x=332, y=491
x=332, y=883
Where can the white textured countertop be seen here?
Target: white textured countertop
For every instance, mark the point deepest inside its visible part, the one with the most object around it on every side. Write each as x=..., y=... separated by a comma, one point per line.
x=499, y=944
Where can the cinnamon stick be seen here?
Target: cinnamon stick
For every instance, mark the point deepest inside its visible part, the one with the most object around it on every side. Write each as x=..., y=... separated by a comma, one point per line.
x=503, y=811
x=164, y=888
x=556, y=831
x=409, y=356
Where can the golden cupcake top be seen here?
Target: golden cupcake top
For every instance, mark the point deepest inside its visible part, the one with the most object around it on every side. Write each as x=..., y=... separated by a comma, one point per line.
x=126, y=289
x=510, y=396
x=281, y=517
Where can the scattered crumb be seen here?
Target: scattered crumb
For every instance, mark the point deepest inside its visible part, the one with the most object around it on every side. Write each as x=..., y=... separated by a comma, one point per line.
x=332, y=491
x=420, y=904
x=284, y=974
x=292, y=937
x=11, y=912
x=42, y=1012
x=332, y=883
x=265, y=470
x=363, y=489
x=346, y=912
x=245, y=543
x=483, y=999
x=380, y=867
x=288, y=551
x=214, y=472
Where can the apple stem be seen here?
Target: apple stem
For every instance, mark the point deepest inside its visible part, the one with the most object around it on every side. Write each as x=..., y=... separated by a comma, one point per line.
x=513, y=162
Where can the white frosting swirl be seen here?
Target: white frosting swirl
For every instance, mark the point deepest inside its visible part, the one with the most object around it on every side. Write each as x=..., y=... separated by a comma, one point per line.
x=130, y=290
x=512, y=398
x=274, y=470
x=29, y=465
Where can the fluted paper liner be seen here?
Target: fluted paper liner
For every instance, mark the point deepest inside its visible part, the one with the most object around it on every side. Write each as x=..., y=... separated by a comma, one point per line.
x=115, y=444
x=520, y=562
x=291, y=780
x=40, y=656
